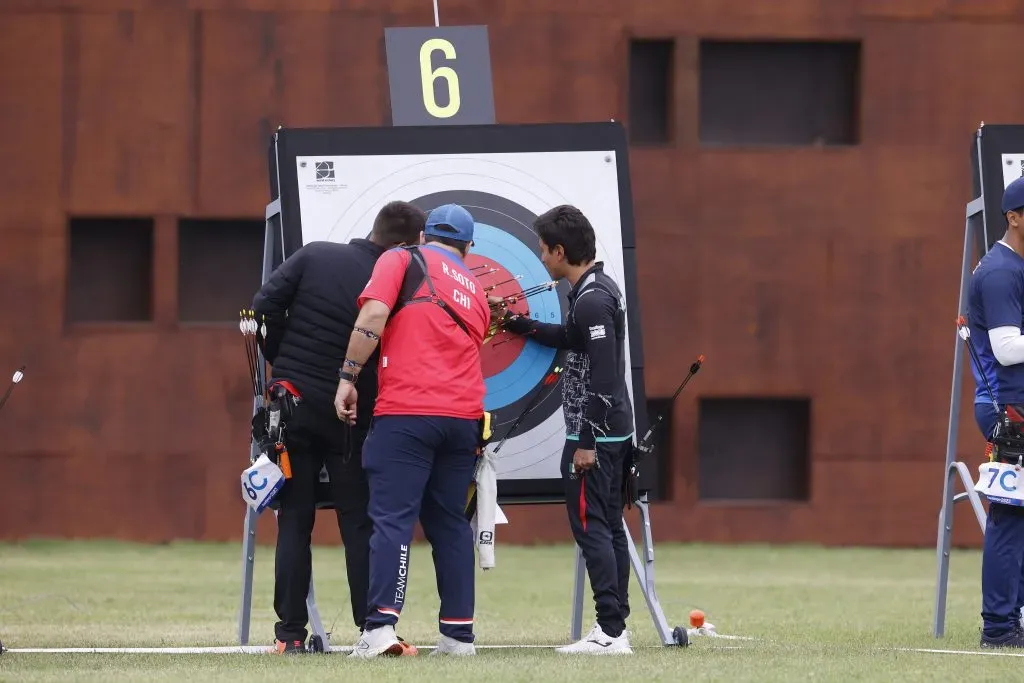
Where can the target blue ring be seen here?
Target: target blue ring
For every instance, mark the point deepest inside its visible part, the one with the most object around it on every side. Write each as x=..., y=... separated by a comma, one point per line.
x=529, y=368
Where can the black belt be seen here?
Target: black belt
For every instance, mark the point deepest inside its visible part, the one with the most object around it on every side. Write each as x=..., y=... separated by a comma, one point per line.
x=1008, y=450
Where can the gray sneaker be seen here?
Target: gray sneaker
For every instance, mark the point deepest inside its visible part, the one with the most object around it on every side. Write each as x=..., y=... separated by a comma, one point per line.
x=450, y=646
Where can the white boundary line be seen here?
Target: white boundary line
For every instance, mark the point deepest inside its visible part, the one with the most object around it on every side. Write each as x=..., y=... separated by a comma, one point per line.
x=961, y=652
x=230, y=649
x=238, y=649
x=265, y=649
x=262, y=649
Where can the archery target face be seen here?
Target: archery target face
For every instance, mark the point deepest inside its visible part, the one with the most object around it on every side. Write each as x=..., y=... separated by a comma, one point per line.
x=1013, y=168
x=339, y=196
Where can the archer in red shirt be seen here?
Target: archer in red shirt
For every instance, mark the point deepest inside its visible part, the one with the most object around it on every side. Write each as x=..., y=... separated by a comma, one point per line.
x=428, y=364
x=430, y=315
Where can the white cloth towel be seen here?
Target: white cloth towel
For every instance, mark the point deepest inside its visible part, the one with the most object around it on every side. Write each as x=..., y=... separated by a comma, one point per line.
x=487, y=513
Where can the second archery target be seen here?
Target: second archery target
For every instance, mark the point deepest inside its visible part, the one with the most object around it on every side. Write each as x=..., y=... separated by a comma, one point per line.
x=332, y=182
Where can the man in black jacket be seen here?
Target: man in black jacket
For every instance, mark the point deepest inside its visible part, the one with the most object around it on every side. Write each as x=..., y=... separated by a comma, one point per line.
x=309, y=304
x=598, y=416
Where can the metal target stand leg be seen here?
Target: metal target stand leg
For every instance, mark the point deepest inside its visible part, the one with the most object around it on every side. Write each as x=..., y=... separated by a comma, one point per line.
x=945, y=530
x=248, y=562
x=643, y=569
x=318, y=637
x=579, y=588
x=954, y=469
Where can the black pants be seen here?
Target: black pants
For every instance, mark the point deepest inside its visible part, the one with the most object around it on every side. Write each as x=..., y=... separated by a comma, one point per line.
x=316, y=439
x=594, y=503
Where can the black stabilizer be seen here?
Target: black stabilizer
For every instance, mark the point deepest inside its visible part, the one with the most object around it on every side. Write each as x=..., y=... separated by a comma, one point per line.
x=644, y=447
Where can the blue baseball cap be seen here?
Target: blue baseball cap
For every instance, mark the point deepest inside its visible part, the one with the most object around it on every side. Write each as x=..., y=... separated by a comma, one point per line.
x=1013, y=195
x=450, y=220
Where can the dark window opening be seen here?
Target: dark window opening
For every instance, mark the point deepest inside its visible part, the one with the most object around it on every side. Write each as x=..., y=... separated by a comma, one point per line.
x=110, y=270
x=754, y=448
x=220, y=264
x=650, y=88
x=779, y=93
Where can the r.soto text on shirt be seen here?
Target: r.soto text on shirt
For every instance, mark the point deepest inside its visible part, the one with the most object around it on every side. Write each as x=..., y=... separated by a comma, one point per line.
x=466, y=282
x=458, y=295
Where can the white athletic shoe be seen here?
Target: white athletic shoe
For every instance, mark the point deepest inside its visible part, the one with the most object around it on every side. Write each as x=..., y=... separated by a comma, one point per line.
x=625, y=632
x=377, y=643
x=450, y=646
x=597, y=642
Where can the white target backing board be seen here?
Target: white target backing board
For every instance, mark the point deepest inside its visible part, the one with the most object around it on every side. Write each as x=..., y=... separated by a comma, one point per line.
x=1013, y=168
x=333, y=182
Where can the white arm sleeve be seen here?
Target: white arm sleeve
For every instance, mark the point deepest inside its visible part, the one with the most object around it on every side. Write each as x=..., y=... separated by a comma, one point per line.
x=1007, y=345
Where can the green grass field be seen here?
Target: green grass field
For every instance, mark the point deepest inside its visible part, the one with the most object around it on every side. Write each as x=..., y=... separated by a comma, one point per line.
x=826, y=614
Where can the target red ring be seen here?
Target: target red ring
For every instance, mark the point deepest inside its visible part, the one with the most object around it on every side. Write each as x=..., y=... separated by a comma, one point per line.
x=501, y=350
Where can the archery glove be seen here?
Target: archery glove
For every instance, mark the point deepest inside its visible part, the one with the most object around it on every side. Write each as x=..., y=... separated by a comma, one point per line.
x=517, y=324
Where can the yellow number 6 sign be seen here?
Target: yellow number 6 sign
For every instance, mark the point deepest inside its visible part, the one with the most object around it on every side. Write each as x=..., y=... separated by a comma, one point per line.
x=428, y=76
x=439, y=75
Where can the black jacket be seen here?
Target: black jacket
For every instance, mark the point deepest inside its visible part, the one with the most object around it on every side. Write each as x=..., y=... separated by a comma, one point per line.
x=310, y=306
x=594, y=394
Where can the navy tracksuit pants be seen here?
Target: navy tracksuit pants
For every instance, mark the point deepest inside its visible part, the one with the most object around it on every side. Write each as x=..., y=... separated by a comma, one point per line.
x=1002, y=560
x=594, y=504
x=421, y=467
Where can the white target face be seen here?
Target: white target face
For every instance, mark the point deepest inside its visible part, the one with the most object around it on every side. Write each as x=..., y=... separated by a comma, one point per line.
x=1013, y=168
x=340, y=195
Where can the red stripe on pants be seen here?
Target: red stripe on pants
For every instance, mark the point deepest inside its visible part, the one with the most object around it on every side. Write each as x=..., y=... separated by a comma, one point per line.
x=583, y=501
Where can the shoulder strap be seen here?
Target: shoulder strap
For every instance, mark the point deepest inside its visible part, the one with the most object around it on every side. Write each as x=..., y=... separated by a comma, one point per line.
x=415, y=272
x=415, y=275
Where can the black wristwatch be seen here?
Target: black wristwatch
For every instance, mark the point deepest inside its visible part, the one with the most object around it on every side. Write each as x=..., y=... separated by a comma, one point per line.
x=347, y=376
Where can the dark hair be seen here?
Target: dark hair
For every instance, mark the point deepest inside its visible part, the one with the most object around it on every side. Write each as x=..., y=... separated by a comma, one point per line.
x=566, y=225
x=454, y=243
x=398, y=222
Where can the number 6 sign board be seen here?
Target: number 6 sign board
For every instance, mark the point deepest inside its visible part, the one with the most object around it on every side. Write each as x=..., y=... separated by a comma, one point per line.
x=1001, y=482
x=439, y=76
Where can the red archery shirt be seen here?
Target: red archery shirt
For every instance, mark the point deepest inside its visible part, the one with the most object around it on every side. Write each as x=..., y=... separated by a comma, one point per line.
x=428, y=364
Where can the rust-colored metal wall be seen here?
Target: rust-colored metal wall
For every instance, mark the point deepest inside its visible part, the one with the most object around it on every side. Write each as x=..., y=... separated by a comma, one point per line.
x=164, y=109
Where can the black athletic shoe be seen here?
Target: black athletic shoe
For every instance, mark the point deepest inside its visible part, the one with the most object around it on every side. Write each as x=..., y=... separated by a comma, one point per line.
x=1013, y=638
x=289, y=647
